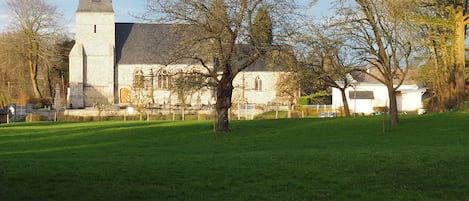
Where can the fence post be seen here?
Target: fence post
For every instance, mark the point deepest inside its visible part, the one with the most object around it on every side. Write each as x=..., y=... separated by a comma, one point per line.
x=183, y=113
x=276, y=112
x=246, y=111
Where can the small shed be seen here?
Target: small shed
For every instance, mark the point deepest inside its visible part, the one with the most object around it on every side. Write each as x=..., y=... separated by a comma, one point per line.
x=368, y=96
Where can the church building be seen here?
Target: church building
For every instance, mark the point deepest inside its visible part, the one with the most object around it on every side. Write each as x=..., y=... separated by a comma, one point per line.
x=110, y=60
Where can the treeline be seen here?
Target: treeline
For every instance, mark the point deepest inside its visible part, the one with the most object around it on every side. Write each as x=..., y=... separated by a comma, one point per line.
x=33, y=53
x=390, y=36
x=394, y=38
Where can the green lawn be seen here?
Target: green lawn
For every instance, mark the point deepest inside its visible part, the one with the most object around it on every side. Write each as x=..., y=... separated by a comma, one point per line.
x=424, y=158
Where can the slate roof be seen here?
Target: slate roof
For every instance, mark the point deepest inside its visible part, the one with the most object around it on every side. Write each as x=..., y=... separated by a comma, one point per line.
x=261, y=65
x=138, y=43
x=145, y=43
x=95, y=6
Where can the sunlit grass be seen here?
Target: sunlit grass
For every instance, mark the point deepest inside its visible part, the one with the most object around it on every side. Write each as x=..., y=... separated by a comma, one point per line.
x=424, y=158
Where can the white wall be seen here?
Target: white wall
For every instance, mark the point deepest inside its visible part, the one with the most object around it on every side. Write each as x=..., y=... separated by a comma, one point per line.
x=206, y=96
x=92, y=59
x=409, y=101
x=251, y=95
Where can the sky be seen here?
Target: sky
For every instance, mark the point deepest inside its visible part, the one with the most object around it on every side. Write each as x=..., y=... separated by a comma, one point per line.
x=124, y=8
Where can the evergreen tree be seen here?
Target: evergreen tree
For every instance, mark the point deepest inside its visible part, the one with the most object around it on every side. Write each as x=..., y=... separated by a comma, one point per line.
x=261, y=29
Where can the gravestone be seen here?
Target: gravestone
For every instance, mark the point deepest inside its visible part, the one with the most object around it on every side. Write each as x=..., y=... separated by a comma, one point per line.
x=57, y=99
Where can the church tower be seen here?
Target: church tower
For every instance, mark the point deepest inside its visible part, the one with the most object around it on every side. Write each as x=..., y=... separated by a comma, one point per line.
x=92, y=59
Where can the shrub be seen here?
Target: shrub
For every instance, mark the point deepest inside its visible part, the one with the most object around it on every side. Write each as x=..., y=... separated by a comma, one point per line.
x=318, y=98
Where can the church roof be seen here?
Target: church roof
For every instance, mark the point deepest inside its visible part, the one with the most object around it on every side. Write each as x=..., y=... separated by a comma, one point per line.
x=145, y=43
x=160, y=43
x=95, y=6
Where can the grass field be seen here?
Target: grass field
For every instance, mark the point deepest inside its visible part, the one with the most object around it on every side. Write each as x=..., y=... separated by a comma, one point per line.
x=424, y=158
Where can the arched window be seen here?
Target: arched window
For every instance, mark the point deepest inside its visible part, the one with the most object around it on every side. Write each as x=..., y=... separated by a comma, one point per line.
x=163, y=80
x=139, y=79
x=258, y=83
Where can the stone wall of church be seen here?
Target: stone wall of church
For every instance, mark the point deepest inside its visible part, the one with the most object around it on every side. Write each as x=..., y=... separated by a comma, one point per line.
x=264, y=92
x=75, y=93
x=92, y=60
x=259, y=87
x=160, y=96
x=95, y=30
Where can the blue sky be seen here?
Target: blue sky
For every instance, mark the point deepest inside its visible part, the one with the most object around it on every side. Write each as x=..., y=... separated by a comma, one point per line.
x=123, y=8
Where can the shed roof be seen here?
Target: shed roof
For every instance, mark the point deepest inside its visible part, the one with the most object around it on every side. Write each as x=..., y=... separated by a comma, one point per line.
x=361, y=95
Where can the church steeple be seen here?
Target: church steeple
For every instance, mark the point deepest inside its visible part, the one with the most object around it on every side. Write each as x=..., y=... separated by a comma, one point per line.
x=95, y=6
x=92, y=57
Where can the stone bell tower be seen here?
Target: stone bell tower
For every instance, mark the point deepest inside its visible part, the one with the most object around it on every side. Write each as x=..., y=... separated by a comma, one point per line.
x=92, y=59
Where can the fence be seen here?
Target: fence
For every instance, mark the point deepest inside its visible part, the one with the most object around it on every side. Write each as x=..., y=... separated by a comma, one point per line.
x=241, y=111
x=246, y=111
x=317, y=111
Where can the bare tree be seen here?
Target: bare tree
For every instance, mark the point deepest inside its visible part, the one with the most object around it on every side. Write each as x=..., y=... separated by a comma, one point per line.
x=4, y=99
x=186, y=84
x=327, y=56
x=224, y=33
x=138, y=97
x=377, y=35
x=13, y=78
x=37, y=21
x=295, y=76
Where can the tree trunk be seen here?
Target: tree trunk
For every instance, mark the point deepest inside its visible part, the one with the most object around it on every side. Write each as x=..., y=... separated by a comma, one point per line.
x=441, y=77
x=33, y=74
x=33, y=67
x=460, y=71
x=344, y=100
x=393, y=113
x=49, y=82
x=223, y=104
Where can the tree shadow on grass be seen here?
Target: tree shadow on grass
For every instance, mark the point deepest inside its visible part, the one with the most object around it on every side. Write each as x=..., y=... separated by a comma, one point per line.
x=3, y=183
x=76, y=136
